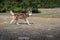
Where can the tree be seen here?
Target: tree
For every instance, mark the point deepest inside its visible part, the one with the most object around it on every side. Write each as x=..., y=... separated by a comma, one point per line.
x=25, y=5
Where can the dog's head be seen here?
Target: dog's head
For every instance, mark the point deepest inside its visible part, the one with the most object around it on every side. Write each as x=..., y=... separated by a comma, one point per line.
x=29, y=13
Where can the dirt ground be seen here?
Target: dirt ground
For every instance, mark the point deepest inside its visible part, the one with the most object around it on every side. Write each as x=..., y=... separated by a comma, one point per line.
x=40, y=29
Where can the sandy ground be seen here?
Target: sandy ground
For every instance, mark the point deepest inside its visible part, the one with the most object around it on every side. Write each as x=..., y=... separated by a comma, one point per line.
x=40, y=29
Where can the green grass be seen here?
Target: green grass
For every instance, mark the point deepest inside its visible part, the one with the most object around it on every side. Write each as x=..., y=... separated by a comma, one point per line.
x=37, y=15
x=5, y=14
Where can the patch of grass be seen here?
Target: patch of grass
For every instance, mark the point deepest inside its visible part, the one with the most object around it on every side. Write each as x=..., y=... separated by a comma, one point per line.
x=57, y=15
x=5, y=14
x=46, y=15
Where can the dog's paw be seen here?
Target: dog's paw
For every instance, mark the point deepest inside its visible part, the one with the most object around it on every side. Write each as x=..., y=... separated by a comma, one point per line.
x=29, y=24
x=18, y=24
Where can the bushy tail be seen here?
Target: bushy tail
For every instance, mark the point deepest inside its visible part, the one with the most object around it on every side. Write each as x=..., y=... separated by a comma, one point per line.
x=11, y=13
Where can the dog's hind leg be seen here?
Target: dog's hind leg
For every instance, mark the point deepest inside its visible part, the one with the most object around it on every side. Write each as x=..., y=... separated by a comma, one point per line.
x=17, y=22
x=13, y=19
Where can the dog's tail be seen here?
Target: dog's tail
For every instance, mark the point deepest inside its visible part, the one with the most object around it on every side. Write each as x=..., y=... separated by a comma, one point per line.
x=11, y=12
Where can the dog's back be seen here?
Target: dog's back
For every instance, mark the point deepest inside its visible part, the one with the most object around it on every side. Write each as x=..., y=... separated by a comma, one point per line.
x=21, y=16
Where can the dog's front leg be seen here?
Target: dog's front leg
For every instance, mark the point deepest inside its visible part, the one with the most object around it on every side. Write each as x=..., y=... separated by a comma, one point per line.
x=27, y=21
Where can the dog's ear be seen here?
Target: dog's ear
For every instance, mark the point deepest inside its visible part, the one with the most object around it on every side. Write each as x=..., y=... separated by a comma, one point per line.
x=29, y=11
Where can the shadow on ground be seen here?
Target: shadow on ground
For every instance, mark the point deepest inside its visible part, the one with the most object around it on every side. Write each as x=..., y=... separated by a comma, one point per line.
x=30, y=32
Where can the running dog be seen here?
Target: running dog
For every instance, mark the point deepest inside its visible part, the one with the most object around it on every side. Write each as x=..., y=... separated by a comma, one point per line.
x=16, y=16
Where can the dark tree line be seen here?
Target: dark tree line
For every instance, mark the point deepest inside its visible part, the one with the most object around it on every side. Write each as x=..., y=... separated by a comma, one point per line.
x=24, y=5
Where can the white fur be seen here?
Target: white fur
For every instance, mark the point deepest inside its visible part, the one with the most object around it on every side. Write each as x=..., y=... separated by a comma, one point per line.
x=13, y=18
x=27, y=22
x=11, y=13
x=30, y=14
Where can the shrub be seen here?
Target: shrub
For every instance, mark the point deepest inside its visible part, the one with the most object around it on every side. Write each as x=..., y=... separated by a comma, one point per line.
x=36, y=11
